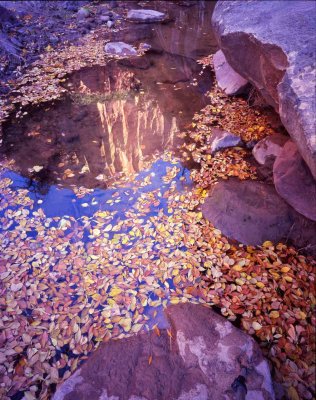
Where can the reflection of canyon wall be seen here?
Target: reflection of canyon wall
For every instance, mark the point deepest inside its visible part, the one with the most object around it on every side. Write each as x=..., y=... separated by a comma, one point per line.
x=111, y=125
x=129, y=133
x=120, y=114
x=129, y=124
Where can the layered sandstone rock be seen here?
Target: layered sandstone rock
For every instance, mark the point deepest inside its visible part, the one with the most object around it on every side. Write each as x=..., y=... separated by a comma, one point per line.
x=201, y=357
x=272, y=46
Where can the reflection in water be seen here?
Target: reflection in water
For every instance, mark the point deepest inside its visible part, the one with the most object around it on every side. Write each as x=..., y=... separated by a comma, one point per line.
x=114, y=120
x=117, y=117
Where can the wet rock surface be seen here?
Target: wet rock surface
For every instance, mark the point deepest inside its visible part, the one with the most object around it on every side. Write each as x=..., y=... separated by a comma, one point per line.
x=253, y=212
x=273, y=48
x=227, y=78
x=220, y=139
x=294, y=182
x=120, y=49
x=201, y=356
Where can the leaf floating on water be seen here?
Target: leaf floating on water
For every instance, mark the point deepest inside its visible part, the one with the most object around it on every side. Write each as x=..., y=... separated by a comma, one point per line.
x=126, y=324
x=156, y=329
x=150, y=359
x=108, y=228
x=37, y=168
x=15, y=287
x=115, y=291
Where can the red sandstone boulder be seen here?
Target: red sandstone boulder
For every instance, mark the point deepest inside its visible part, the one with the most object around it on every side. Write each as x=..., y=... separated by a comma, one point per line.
x=202, y=358
x=270, y=146
x=248, y=211
x=294, y=182
x=253, y=212
x=227, y=78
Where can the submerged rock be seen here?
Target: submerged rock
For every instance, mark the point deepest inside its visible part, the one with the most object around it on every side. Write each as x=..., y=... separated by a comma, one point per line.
x=203, y=357
x=272, y=45
x=294, y=182
x=227, y=78
x=269, y=147
x=221, y=139
x=120, y=49
x=143, y=15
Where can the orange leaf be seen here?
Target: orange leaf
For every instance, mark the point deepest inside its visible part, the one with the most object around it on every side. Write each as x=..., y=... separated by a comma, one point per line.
x=157, y=331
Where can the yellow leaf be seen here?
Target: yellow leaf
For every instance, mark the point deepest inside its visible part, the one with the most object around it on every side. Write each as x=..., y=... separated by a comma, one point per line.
x=285, y=269
x=88, y=280
x=137, y=327
x=237, y=267
x=260, y=284
x=150, y=359
x=302, y=315
x=115, y=291
x=274, y=314
x=169, y=333
x=126, y=324
x=108, y=228
x=125, y=240
x=267, y=243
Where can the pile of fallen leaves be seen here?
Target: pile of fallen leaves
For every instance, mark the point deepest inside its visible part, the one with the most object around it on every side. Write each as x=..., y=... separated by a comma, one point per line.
x=235, y=115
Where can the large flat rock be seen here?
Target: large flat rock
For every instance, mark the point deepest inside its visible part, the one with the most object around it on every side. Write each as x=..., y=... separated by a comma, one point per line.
x=252, y=212
x=294, y=182
x=272, y=44
x=201, y=357
x=248, y=211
